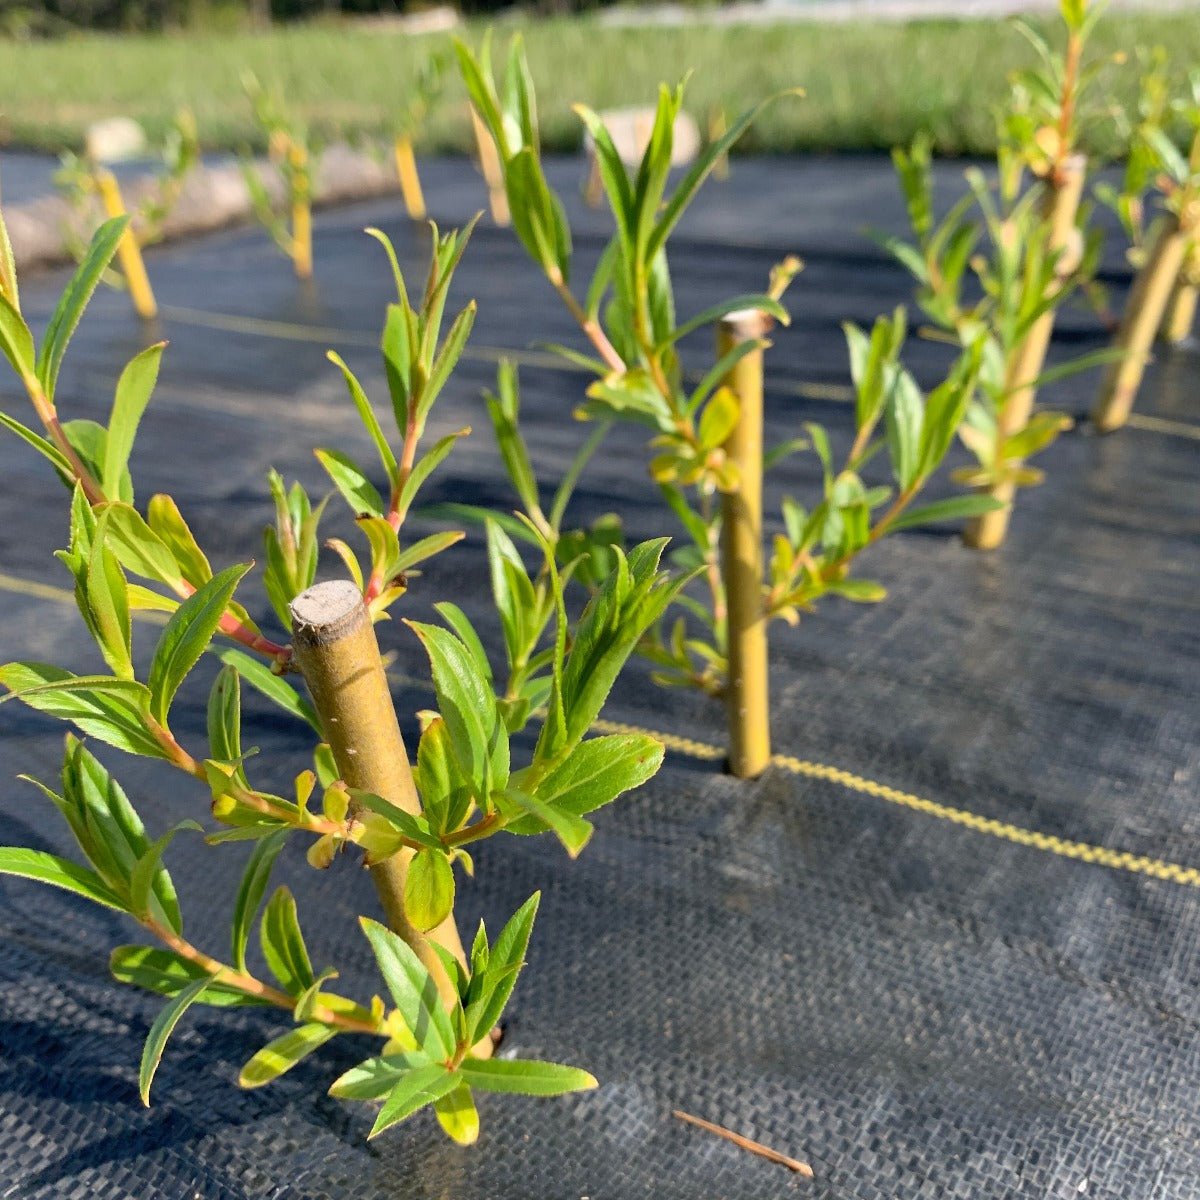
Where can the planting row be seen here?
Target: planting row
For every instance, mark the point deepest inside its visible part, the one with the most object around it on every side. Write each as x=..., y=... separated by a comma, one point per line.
x=990, y=277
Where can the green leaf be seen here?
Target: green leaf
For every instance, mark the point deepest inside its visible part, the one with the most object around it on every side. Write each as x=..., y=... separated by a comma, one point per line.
x=413, y=989
x=75, y=299
x=595, y=773
x=905, y=418
x=59, y=873
x=719, y=419
x=225, y=719
x=133, y=393
x=9, y=286
x=528, y=1077
x=416, y=1089
x=458, y=1116
x=276, y=689
x=281, y=1055
x=161, y=1030
x=861, y=591
x=426, y=548
x=428, y=889
x=166, y=521
x=573, y=831
x=251, y=891
x=423, y=469
x=167, y=974
x=1173, y=162
x=446, y=360
x=349, y=479
x=107, y=606
x=366, y=414
x=957, y=508
x=106, y=708
x=283, y=944
x=16, y=341
x=187, y=635
x=699, y=172
x=58, y=460
x=137, y=547
x=149, y=881
x=375, y=1077
x=491, y=988
x=468, y=705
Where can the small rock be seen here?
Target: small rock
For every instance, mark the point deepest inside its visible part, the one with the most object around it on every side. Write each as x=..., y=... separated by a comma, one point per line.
x=115, y=139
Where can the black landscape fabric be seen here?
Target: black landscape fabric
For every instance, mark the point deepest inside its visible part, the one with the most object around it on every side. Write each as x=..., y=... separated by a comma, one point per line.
x=918, y=1006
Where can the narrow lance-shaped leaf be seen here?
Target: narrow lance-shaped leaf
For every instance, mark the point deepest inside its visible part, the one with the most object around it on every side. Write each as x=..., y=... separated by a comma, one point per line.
x=74, y=300
x=161, y=1030
x=527, y=1077
x=283, y=944
x=251, y=891
x=412, y=989
x=187, y=636
x=274, y=687
x=281, y=1055
x=58, y=872
x=133, y=393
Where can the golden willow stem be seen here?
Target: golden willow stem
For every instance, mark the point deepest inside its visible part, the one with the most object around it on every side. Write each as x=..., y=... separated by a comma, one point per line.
x=1140, y=321
x=988, y=531
x=747, y=692
x=489, y=164
x=1180, y=316
x=302, y=257
x=336, y=650
x=133, y=267
x=410, y=181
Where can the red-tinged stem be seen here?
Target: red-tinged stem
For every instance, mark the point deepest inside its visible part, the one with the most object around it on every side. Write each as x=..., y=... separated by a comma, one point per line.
x=44, y=407
x=232, y=627
x=591, y=328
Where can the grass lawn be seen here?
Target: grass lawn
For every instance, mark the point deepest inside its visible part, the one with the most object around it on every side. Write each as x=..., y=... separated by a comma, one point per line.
x=869, y=86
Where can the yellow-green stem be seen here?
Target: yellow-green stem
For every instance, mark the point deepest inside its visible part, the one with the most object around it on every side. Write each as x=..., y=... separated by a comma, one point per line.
x=1180, y=316
x=410, y=181
x=1065, y=190
x=336, y=650
x=129, y=250
x=747, y=692
x=1141, y=320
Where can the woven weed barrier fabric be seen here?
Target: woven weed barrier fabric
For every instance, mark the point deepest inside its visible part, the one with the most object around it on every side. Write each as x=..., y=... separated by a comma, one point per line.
x=962, y=963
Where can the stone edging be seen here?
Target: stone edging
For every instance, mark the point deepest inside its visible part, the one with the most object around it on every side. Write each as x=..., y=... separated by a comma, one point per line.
x=212, y=197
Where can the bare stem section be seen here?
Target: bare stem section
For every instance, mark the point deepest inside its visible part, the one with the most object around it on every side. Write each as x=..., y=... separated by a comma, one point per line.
x=1180, y=317
x=1141, y=321
x=129, y=251
x=410, y=181
x=1062, y=208
x=336, y=650
x=747, y=693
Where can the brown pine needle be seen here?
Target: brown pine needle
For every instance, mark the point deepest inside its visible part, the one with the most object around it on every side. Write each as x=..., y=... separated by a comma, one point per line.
x=792, y=1164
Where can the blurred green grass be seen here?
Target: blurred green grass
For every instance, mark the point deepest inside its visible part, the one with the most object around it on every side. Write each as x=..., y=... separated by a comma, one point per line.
x=869, y=86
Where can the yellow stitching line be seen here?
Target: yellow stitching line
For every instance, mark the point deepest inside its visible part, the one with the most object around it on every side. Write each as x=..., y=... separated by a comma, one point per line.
x=295, y=332
x=1118, y=860
x=1162, y=425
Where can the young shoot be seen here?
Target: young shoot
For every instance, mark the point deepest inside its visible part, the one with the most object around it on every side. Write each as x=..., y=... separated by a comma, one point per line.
x=411, y=824
x=1160, y=178
x=426, y=90
x=294, y=153
x=1004, y=260
x=629, y=319
x=88, y=185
